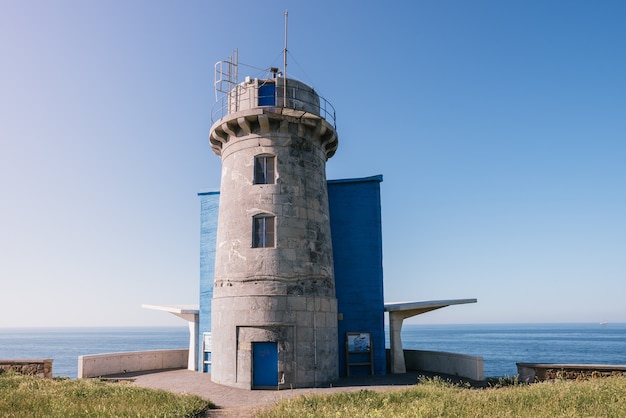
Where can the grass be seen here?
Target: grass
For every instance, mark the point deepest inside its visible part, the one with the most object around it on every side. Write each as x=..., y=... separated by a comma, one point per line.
x=601, y=397
x=29, y=396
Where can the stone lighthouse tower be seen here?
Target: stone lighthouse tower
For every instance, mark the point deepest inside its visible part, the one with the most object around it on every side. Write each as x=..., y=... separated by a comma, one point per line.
x=274, y=308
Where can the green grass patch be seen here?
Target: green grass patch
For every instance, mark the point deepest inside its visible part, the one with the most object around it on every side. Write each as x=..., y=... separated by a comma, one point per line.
x=29, y=396
x=436, y=398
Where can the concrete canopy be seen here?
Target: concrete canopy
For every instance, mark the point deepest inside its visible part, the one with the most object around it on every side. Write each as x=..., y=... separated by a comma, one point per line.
x=398, y=312
x=179, y=310
x=190, y=314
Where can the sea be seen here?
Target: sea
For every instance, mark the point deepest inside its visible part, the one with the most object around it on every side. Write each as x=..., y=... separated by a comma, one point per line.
x=500, y=345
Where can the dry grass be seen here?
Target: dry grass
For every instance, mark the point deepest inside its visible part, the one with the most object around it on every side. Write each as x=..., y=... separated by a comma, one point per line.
x=435, y=398
x=28, y=396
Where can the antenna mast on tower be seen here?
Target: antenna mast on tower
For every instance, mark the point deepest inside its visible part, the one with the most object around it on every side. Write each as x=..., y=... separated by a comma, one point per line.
x=285, y=49
x=285, y=60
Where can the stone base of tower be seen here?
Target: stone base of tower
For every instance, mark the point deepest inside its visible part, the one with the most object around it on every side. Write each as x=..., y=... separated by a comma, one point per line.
x=274, y=341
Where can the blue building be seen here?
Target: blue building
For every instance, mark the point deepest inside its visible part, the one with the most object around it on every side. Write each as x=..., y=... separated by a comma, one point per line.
x=355, y=219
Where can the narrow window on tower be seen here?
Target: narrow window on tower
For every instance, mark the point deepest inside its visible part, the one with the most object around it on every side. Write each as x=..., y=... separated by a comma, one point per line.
x=264, y=169
x=262, y=231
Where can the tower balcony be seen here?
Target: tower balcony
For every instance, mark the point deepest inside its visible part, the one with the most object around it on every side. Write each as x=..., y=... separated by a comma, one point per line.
x=296, y=99
x=266, y=106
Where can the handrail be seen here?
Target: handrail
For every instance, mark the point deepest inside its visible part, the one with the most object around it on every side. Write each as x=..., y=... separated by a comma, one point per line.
x=235, y=101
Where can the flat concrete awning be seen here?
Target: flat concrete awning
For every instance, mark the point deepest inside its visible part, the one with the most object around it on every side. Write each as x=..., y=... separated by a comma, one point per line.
x=416, y=308
x=177, y=310
x=190, y=314
x=398, y=312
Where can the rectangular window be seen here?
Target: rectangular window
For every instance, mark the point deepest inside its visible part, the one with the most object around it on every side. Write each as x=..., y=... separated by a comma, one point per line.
x=264, y=169
x=263, y=231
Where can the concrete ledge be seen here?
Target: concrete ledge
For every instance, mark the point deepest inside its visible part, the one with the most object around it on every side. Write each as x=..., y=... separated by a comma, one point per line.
x=536, y=372
x=33, y=367
x=95, y=365
x=470, y=367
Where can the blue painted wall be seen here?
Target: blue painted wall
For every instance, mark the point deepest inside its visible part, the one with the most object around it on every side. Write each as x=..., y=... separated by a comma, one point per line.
x=355, y=222
x=209, y=207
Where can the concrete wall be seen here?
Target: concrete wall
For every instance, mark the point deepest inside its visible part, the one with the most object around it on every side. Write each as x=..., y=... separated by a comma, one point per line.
x=355, y=219
x=461, y=365
x=33, y=367
x=284, y=293
x=299, y=96
x=532, y=372
x=135, y=361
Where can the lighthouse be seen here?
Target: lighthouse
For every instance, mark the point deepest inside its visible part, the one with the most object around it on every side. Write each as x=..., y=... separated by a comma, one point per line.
x=274, y=306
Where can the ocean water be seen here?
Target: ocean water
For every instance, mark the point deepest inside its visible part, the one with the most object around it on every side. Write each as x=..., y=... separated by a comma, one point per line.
x=500, y=345
x=64, y=345
x=503, y=345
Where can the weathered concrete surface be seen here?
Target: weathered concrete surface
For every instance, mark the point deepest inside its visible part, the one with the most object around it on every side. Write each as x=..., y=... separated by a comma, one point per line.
x=135, y=361
x=531, y=372
x=33, y=367
x=284, y=293
x=453, y=364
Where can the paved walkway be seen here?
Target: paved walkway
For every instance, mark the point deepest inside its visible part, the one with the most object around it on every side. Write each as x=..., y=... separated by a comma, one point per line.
x=233, y=402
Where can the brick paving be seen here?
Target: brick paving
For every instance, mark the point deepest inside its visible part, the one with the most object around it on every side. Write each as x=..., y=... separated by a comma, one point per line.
x=233, y=402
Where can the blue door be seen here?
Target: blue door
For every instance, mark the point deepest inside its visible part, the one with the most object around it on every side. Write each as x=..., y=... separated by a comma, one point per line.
x=265, y=365
x=267, y=94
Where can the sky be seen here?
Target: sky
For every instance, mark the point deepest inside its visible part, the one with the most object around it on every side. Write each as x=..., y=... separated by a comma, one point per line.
x=499, y=129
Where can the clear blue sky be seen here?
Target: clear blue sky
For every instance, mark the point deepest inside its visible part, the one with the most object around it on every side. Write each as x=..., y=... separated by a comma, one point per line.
x=499, y=128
